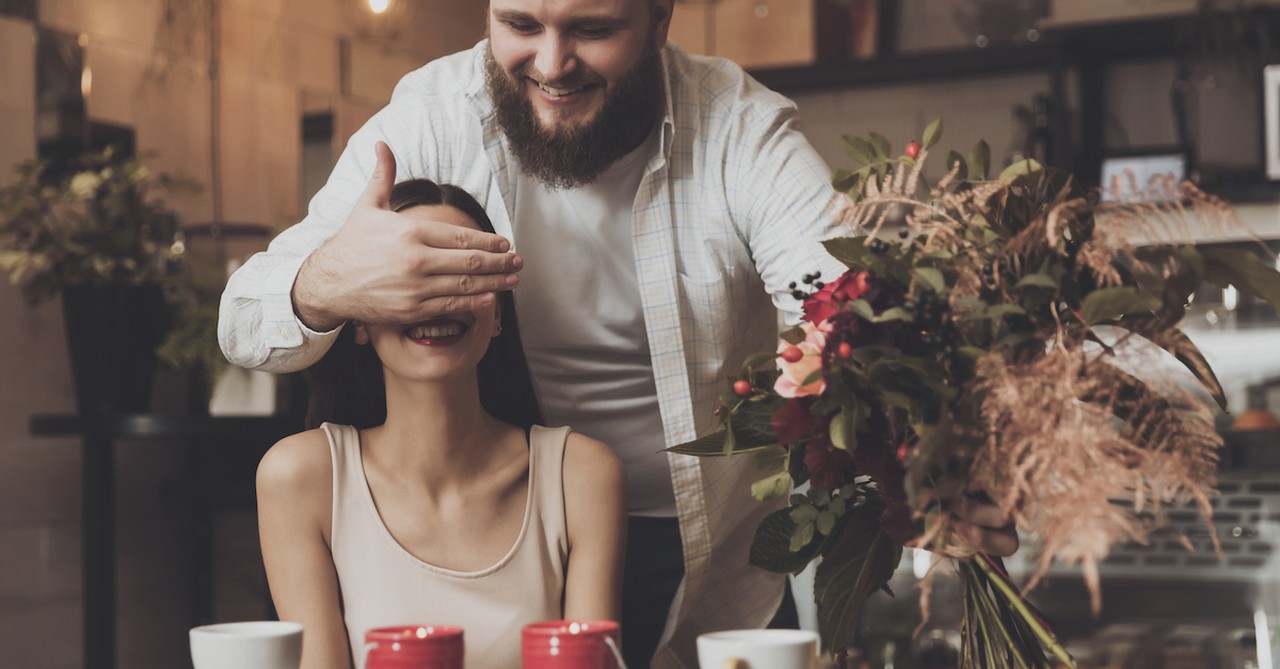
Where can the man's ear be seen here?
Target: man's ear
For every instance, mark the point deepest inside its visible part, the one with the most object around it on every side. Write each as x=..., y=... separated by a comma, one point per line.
x=362, y=335
x=662, y=21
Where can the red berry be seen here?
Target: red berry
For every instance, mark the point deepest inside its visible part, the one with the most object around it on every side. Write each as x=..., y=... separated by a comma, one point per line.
x=792, y=354
x=844, y=349
x=742, y=387
x=913, y=149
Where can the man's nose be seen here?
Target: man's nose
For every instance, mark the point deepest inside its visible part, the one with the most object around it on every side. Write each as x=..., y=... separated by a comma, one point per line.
x=555, y=58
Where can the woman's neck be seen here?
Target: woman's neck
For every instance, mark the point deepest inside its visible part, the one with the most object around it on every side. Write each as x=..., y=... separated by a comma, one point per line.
x=437, y=433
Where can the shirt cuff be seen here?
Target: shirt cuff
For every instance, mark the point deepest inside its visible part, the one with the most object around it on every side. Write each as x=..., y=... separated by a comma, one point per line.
x=278, y=304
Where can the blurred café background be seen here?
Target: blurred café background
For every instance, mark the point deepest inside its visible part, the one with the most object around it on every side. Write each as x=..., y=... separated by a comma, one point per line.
x=118, y=532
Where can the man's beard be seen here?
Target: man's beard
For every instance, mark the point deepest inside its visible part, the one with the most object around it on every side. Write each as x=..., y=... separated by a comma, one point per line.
x=564, y=158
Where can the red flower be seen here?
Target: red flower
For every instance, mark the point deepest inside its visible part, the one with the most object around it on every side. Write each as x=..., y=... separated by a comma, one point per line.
x=829, y=467
x=823, y=304
x=793, y=421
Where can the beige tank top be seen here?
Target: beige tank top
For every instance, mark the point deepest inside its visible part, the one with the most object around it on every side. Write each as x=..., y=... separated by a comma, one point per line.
x=383, y=584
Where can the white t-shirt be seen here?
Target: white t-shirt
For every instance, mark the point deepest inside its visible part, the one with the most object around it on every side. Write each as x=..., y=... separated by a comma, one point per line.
x=582, y=323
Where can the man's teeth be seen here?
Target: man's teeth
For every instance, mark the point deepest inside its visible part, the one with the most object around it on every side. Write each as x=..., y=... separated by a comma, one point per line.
x=436, y=331
x=559, y=92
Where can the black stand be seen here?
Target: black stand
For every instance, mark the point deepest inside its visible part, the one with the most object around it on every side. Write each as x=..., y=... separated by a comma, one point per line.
x=225, y=454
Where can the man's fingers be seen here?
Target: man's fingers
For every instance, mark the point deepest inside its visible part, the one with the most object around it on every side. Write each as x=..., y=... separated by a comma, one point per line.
x=981, y=514
x=446, y=262
x=377, y=194
x=999, y=542
x=446, y=236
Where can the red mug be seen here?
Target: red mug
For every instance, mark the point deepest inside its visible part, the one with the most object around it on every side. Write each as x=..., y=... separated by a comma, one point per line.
x=570, y=644
x=413, y=647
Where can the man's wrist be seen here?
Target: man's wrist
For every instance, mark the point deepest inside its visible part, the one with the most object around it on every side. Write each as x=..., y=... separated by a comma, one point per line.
x=306, y=301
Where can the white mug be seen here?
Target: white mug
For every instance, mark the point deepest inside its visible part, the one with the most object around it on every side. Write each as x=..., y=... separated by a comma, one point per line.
x=758, y=649
x=249, y=645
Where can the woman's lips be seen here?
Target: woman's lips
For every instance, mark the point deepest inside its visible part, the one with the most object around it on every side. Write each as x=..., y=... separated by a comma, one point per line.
x=437, y=332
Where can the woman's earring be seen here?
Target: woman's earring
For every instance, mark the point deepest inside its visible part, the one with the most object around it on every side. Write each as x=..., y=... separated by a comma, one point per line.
x=497, y=328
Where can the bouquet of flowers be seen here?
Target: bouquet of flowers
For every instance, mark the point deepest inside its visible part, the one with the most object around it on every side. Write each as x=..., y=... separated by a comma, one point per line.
x=983, y=343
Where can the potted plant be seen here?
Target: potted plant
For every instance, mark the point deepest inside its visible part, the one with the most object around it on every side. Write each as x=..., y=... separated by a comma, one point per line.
x=103, y=239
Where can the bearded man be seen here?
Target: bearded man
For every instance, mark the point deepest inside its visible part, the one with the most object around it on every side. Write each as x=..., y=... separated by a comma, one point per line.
x=657, y=202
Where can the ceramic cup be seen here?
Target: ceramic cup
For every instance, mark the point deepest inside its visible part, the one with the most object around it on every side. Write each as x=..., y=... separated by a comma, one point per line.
x=248, y=645
x=758, y=649
x=570, y=644
x=414, y=647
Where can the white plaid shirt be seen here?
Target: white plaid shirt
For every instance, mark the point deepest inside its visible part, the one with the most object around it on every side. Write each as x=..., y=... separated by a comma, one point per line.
x=729, y=212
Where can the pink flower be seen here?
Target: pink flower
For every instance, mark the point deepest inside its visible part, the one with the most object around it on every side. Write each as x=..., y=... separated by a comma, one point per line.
x=803, y=376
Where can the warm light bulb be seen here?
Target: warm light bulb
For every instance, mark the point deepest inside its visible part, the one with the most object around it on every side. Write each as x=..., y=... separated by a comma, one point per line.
x=379, y=6
x=86, y=82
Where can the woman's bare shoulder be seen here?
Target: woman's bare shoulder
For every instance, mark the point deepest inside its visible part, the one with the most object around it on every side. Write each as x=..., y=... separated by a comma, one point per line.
x=296, y=463
x=591, y=466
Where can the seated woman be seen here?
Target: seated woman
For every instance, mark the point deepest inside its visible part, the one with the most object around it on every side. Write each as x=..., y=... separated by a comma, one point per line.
x=429, y=494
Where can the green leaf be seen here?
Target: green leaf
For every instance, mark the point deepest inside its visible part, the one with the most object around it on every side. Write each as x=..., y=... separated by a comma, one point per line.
x=752, y=423
x=770, y=547
x=801, y=537
x=862, y=308
x=957, y=162
x=980, y=159
x=851, y=251
x=769, y=487
x=1180, y=346
x=804, y=513
x=843, y=435
x=859, y=149
x=711, y=444
x=837, y=507
x=792, y=336
x=932, y=133
x=859, y=561
x=1111, y=303
x=1037, y=281
x=755, y=361
x=930, y=277
x=881, y=145
x=1246, y=271
x=1020, y=168
x=893, y=314
x=844, y=179
x=825, y=523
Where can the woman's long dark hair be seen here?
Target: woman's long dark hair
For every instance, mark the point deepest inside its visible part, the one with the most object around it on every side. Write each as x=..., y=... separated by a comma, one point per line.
x=347, y=384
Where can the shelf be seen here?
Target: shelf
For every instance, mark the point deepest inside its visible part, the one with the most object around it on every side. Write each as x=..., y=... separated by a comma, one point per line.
x=1059, y=46
x=913, y=68
x=162, y=426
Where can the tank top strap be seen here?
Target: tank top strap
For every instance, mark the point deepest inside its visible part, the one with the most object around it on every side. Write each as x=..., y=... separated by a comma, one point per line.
x=348, y=477
x=546, y=458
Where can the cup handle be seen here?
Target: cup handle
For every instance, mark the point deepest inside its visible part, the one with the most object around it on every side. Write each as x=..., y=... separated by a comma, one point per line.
x=364, y=652
x=617, y=654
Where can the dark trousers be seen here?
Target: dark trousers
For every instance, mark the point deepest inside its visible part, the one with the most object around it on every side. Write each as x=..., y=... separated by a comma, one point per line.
x=652, y=573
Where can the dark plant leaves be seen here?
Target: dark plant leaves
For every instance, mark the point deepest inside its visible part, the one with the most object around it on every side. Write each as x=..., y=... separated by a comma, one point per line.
x=769, y=546
x=863, y=559
x=1107, y=304
x=1245, y=270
